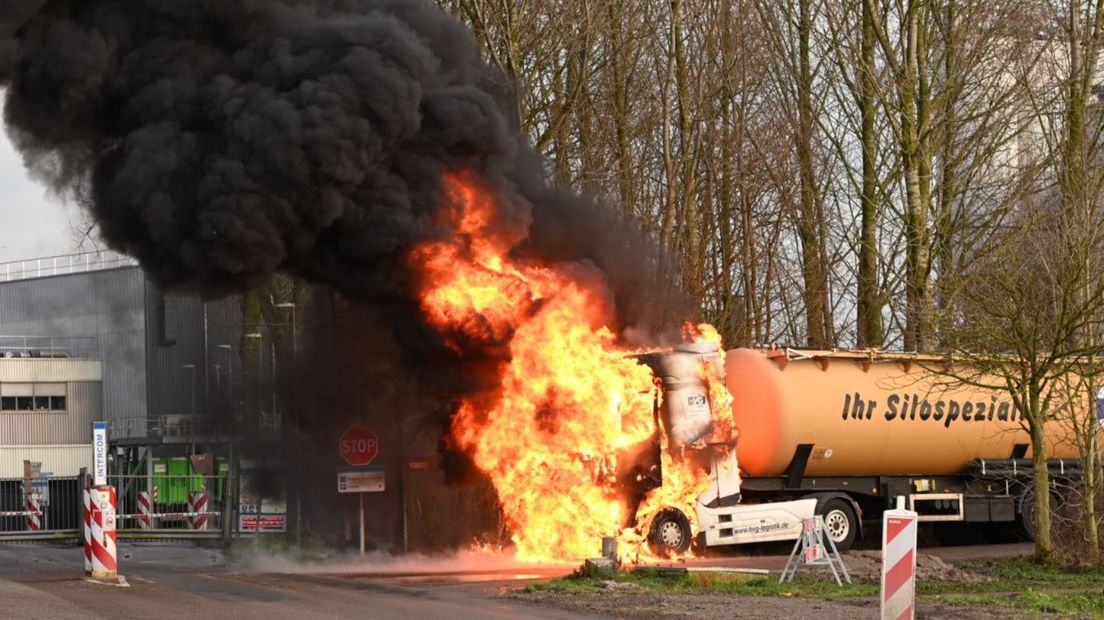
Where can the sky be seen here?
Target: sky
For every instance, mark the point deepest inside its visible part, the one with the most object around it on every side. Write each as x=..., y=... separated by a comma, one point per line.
x=33, y=224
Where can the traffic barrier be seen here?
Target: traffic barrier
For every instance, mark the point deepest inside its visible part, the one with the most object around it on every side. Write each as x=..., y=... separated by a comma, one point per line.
x=167, y=515
x=104, y=561
x=87, y=512
x=899, y=563
x=171, y=500
x=34, y=514
x=145, y=521
x=197, y=505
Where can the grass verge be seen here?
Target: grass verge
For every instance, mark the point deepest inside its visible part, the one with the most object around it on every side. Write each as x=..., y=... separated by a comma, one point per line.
x=1012, y=584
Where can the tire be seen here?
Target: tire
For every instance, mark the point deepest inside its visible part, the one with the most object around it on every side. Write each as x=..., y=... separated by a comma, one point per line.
x=840, y=522
x=1001, y=533
x=670, y=533
x=1025, y=520
x=957, y=533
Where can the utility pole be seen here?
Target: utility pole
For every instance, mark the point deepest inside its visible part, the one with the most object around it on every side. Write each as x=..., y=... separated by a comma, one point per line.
x=291, y=424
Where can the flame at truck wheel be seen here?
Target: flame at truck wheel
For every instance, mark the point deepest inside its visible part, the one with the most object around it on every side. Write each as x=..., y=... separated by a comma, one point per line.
x=573, y=407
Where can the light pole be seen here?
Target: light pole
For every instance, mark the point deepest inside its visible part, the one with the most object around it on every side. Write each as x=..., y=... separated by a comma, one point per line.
x=192, y=367
x=260, y=362
x=192, y=413
x=292, y=425
x=229, y=373
x=230, y=506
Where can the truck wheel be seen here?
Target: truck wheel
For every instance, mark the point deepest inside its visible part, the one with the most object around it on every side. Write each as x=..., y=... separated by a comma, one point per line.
x=670, y=532
x=956, y=533
x=840, y=523
x=1000, y=533
x=1025, y=520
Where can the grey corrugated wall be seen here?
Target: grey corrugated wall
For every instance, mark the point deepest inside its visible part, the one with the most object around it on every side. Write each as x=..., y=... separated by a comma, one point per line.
x=41, y=428
x=105, y=304
x=170, y=385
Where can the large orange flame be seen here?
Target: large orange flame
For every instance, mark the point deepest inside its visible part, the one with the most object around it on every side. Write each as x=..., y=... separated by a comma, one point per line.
x=570, y=399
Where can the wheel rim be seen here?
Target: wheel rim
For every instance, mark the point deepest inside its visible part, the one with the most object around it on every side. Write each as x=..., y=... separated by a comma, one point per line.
x=670, y=534
x=837, y=525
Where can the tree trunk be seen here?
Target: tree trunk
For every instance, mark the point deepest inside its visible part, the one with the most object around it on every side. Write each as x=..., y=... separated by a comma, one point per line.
x=616, y=52
x=1044, y=547
x=810, y=224
x=913, y=116
x=869, y=332
x=1090, y=458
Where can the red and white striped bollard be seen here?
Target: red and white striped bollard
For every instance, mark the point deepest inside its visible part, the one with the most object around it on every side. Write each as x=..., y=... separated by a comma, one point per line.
x=145, y=508
x=103, y=535
x=87, y=497
x=33, y=508
x=899, y=563
x=197, y=504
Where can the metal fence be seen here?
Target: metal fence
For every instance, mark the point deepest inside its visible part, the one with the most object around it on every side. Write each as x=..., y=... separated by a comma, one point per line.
x=162, y=504
x=50, y=346
x=61, y=265
x=157, y=506
x=42, y=508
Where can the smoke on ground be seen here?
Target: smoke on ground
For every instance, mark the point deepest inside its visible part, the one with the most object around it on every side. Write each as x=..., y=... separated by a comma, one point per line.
x=473, y=562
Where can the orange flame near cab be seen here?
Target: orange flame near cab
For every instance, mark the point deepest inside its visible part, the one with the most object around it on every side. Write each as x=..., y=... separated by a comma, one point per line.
x=570, y=398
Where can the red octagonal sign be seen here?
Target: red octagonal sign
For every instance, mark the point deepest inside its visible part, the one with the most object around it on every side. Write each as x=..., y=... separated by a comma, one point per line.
x=359, y=446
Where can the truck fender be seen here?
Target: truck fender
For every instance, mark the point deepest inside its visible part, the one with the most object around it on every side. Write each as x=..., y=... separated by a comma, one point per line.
x=821, y=498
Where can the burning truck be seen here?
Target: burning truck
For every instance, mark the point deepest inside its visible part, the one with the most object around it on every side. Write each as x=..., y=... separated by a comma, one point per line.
x=840, y=434
x=584, y=437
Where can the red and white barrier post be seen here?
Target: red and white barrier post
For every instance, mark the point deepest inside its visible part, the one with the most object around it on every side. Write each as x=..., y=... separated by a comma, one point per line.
x=145, y=507
x=899, y=563
x=87, y=496
x=33, y=508
x=197, y=505
x=103, y=535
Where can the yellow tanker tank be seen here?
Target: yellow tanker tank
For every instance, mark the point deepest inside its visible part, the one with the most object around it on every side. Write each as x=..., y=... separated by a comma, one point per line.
x=867, y=414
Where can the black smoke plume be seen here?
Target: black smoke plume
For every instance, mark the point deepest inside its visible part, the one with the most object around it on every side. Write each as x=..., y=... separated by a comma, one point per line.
x=220, y=142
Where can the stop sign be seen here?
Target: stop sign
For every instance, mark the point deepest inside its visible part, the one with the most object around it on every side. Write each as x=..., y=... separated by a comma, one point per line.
x=359, y=446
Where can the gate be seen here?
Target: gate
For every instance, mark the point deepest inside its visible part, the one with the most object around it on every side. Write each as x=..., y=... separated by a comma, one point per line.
x=169, y=506
x=40, y=509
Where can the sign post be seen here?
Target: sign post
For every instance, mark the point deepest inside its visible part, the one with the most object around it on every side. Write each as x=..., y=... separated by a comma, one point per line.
x=899, y=563
x=99, y=454
x=359, y=446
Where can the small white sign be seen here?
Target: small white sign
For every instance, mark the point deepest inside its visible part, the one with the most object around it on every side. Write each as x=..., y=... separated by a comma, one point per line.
x=360, y=479
x=99, y=453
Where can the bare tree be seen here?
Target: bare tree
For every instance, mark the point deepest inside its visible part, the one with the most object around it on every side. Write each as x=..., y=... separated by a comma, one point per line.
x=1023, y=308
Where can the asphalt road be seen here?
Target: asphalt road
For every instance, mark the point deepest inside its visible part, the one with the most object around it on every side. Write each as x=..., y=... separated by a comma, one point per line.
x=186, y=582
x=170, y=582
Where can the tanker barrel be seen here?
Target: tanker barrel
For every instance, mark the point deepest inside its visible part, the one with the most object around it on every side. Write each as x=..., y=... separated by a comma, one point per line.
x=872, y=413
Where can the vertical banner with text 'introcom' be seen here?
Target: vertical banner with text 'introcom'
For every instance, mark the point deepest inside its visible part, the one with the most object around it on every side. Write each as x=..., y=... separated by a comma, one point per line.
x=99, y=454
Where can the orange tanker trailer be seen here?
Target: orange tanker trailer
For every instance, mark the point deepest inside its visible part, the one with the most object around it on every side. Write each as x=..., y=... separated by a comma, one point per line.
x=843, y=434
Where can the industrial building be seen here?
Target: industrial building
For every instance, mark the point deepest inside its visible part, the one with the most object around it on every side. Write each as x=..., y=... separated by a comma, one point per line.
x=47, y=406
x=103, y=342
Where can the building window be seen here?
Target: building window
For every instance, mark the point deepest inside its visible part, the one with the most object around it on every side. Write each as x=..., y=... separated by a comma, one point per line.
x=33, y=396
